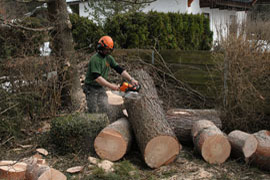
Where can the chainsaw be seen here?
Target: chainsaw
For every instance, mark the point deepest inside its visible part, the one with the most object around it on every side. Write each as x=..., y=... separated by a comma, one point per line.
x=128, y=90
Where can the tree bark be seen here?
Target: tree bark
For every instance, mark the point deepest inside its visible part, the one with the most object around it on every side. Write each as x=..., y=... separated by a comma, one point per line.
x=114, y=141
x=261, y=157
x=63, y=48
x=156, y=140
x=182, y=120
x=243, y=144
x=210, y=142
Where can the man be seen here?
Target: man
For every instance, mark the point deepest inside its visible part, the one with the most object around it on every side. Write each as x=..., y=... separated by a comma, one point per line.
x=97, y=76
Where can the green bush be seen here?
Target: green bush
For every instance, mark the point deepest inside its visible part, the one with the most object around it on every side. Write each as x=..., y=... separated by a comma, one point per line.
x=77, y=132
x=85, y=32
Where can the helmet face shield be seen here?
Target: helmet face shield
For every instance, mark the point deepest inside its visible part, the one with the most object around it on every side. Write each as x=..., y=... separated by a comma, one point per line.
x=107, y=51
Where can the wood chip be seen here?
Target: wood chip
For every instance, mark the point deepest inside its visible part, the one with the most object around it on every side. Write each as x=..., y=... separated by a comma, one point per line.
x=42, y=151
x=106, y=165
x=26, y=146
x=75, y=169
x=93, y=160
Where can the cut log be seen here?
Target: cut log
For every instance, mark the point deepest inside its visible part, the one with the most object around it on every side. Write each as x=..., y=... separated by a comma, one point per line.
x=243, y=144
x=261, y=157
x=210, y=142
x=182, y=120
x=52, y=174
x=36, y=171
x=115, y=107
x=156, y=140
x=12, y=170
x=114, y=141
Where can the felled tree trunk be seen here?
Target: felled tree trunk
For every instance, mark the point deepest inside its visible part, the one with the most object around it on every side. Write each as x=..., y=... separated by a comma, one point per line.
x=243, y=144
x=12, y=170
x=114, y=141
x=210, y=142
x=261, y=157
x=155, y=138
x=182, y=120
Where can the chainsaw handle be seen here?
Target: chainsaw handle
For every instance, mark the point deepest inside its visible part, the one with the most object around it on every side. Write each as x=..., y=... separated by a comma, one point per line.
x=124, y=87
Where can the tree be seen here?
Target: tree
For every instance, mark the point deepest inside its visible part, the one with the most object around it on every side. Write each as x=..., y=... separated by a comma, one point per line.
x=101, y=9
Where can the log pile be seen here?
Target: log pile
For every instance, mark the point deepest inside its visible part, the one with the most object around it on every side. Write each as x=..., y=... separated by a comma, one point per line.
x=210, y=142
x=157, y=133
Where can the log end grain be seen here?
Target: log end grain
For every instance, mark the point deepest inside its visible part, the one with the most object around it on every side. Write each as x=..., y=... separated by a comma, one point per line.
x=250, y=146
x=110, y=145
x=161, y=150
x=52, y=174
x=243, y=144
x=14, y=171
x=216, y=149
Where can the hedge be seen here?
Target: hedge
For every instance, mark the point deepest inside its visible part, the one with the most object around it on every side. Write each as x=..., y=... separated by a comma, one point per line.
x=164, y=30
x=85, y=32
x=144, y=30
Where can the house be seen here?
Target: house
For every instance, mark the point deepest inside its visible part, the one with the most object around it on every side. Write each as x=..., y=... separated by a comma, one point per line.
x=220, y=12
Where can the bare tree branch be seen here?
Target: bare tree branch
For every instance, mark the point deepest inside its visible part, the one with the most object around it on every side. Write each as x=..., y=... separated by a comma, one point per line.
x=5, y=23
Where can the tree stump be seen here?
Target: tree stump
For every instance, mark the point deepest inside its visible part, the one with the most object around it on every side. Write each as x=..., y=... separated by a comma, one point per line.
x=210, y=142
x=261, y=157
x=182, y=120
x=156, y=140
x=243, y=144
x=114, y=141
x=12, y=170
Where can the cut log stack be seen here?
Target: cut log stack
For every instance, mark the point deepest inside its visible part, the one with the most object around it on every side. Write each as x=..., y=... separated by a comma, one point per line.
x=114, y=141
x=210, y=142
x=156, y=140
x=182, y=120
x=261, y=157
x=243, y=144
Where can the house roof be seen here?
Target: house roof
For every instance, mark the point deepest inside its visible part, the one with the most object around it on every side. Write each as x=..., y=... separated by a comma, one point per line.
x=229, y=4
x=68, y=1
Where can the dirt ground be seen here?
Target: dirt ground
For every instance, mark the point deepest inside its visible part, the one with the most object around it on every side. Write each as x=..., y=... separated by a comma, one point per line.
x=187, y=166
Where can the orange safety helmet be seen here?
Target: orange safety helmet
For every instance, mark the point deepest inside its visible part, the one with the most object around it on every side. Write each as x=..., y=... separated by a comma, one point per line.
x=105, y=42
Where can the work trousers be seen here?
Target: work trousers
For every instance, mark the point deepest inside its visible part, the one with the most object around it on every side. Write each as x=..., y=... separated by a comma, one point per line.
x=96, y=98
